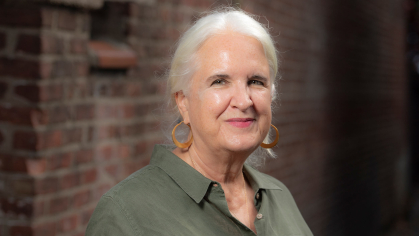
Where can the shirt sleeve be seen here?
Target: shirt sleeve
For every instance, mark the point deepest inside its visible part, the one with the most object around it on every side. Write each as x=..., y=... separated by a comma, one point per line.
x=110, y=219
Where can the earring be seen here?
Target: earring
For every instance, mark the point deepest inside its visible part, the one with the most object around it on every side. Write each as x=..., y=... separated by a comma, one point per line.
x=179, y=144
x=271, y=145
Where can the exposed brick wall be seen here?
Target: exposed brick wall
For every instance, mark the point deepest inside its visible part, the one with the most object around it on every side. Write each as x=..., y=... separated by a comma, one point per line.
x=44, y=69
x=68, y=134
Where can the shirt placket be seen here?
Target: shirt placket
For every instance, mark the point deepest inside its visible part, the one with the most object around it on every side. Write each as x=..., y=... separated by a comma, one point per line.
x=216, y=197
x=259, y=222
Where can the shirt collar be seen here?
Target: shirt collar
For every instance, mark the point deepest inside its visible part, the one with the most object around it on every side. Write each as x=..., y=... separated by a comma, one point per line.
x=260, y=180
x=190, y=180
x=194, y=183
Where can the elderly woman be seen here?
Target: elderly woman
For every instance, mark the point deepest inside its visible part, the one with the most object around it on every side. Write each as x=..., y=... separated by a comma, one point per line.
x=222, y=83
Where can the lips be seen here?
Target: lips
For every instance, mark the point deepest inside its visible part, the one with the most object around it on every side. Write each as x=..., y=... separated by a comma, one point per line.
x=241, y=122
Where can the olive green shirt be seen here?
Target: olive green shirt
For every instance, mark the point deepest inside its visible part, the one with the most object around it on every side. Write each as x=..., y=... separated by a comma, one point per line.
x=169, y=197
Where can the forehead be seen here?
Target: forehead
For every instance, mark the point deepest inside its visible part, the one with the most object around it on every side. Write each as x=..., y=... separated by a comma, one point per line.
x=231, y=42
x=232, y=51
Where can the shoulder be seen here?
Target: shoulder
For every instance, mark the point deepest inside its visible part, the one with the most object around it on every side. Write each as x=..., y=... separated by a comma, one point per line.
x=121, y=209
x=140, y=180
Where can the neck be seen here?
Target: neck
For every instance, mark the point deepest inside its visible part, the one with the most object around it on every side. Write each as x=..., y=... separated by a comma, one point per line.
x=225, y=169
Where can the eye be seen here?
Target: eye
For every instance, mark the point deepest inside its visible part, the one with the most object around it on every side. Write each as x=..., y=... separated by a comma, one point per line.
x=218, y=82
x=255, y=82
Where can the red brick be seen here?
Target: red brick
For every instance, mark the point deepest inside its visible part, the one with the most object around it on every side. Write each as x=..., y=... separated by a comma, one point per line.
x=79, y=90
x=25, y=140
x=85, y=111
x=60, y=161
x=104, y=152
x=70, y=180
x=59, y=205
x=24, y=186
x=27, y=17
x=106, y=111
x=38, y=208
x=112, y=170
x=142, y=11
x=19, y=115
x=58, y=114
x=143, y=109
x=47, y=15
x=141, y=148
x=124, y=151
x=45, y=70
x=3, y=89
x=21, y=68
x=67, y=224
x=63, y=68
x=40, y=93
x=17, y=206
x=81, y=198
x=51, y=44
x=29, y=140
x=19, y=230
x=78, y=46
x=2, y=41
x=128, y=111
x=84, y=156
x=88, y=176
x=134, y=89
x=103, y=132
x=29, y=44
x=73, y=135
x=67, y=20
x=118, y=89
x=23, y=165
x=47, y=185
x=45, y=229
x=82, y=68
x=42, y=117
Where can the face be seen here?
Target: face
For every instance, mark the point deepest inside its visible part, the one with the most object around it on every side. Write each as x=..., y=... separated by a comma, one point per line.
x=229, y=102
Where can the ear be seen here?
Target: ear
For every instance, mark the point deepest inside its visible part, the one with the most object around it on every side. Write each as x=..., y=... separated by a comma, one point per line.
x=183, y=106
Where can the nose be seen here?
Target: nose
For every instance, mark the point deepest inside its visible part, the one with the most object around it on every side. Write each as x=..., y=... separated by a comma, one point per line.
x=241, y=98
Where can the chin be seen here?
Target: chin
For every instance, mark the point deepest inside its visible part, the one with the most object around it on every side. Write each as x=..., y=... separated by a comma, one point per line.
x=242, y=147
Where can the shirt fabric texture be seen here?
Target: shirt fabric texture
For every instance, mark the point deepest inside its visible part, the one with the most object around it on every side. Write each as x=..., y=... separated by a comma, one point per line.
x=169, y=197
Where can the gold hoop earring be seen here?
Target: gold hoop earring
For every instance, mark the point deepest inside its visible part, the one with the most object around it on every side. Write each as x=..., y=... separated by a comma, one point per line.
x=179, y=144
x=271, y=145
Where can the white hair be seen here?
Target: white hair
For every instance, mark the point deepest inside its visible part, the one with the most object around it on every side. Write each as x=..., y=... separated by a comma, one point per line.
x=184, y=61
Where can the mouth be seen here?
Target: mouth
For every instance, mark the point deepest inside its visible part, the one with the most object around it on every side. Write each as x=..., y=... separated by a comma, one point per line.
x=241, y=122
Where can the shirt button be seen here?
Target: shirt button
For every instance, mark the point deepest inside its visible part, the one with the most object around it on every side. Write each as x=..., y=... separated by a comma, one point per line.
x=257, y=195
x=259, y=216
x=215, y=185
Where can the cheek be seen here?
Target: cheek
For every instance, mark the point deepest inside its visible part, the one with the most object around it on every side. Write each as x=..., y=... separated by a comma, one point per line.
x=215, y=102
x=262, y=104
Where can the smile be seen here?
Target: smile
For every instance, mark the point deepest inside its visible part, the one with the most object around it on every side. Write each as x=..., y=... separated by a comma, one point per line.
x=241, y=122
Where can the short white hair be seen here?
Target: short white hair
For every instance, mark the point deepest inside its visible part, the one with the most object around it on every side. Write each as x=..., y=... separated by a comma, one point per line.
x=184, y=61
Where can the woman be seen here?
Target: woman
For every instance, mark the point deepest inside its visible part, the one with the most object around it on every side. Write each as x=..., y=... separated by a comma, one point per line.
x=222, y=82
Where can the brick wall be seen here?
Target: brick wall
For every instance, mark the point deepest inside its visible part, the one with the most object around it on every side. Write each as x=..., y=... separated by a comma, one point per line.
x=68, y=134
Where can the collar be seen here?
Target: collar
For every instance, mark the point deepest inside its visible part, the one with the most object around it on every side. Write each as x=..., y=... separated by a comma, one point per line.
x=190, y=180
x=194, y=183
x=260, y=180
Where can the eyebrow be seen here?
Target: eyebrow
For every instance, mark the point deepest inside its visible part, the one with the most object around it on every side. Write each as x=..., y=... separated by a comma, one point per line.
x=259, y=77
x=217, y=76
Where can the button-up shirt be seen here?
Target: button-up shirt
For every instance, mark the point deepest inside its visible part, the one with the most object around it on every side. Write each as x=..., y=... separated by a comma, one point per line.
x=169, y=197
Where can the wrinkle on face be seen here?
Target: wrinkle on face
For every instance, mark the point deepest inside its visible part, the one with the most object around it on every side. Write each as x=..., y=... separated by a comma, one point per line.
x=238, y=58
